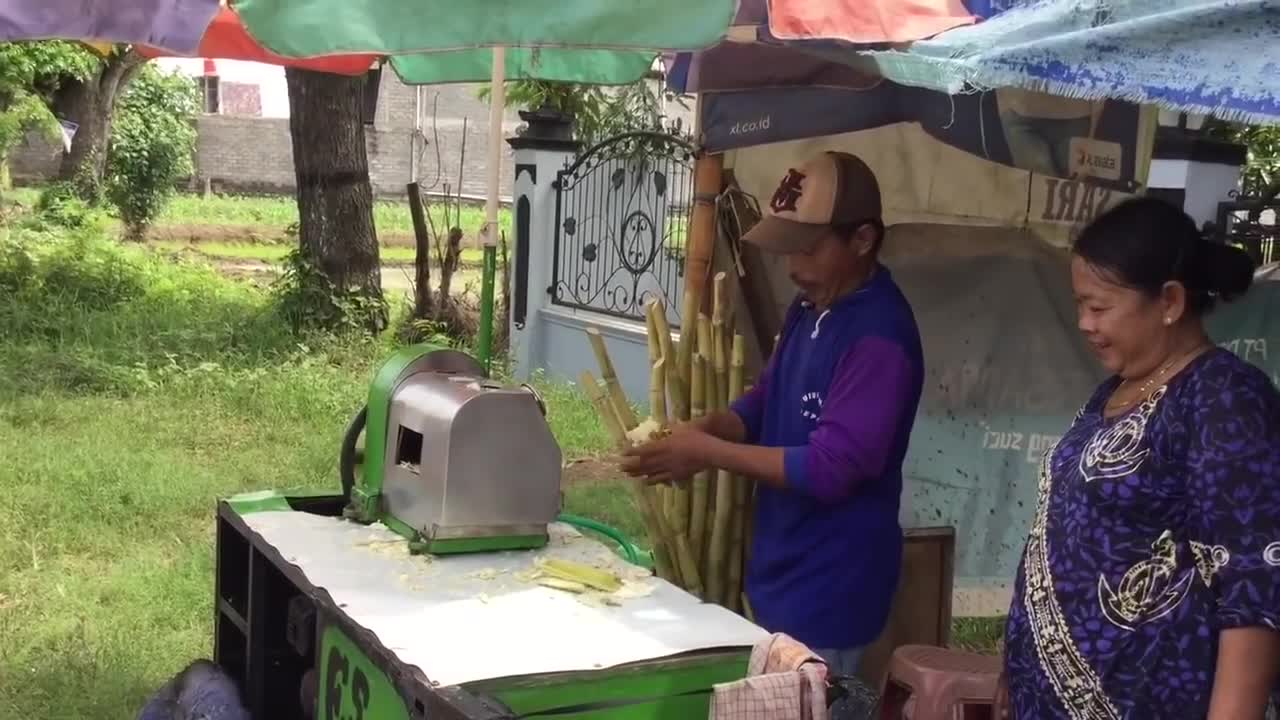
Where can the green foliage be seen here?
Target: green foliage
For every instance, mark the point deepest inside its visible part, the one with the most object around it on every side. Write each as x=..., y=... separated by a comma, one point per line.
x=599, y=112
x=309, y=301
x=40, y=67
x=59, y=206
x=78, y=312
x=432, y=332
x=25, y=112
x=1262, y=168
x=152, y=141
x=30, y=72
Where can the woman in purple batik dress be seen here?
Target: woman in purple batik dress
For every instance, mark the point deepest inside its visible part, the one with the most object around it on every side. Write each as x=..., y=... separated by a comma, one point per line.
x=1149, y=588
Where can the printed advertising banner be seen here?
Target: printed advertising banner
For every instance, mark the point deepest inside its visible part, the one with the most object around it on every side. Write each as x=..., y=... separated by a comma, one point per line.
x=1050, y=136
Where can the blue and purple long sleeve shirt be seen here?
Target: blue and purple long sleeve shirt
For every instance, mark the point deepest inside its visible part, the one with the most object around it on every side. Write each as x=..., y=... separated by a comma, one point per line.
x=839, y=395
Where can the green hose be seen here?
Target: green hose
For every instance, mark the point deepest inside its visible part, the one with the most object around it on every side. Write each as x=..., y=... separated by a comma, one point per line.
x=630, y=552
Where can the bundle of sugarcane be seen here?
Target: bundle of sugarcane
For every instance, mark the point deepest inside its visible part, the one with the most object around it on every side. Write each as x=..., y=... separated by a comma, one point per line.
x=698, y=530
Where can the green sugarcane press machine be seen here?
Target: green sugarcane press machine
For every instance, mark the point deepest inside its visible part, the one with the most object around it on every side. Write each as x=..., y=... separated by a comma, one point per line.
x=415, y=592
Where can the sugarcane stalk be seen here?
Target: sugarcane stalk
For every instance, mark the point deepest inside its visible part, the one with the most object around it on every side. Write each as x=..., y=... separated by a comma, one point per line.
x=741, y=491
x=714, y=403
x=688, y=333
x=667, y=495
x=703, y=330
x=737, y=367
x=688, y=569
x=718, y=340
x=616, y=394
x=720, y=553
x=677, y=388
x=684, y=500
x=681, y=553
x=663, y=550
x=651, y=333
x=655, y=354
x=658, y=392
x=700, y=495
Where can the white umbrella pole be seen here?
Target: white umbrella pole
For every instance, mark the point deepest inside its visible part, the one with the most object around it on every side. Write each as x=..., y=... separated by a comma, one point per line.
x=497, y=103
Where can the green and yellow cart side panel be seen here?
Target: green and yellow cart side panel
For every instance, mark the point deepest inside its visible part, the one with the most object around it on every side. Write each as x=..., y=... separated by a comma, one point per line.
x=353, y=687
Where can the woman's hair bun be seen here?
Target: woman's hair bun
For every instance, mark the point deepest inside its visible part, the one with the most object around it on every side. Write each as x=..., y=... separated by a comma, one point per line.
x=1228, y=270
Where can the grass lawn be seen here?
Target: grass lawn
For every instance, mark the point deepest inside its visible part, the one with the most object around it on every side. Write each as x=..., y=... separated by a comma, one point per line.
x=135, y=390
x=253, y=228
x=389, y=216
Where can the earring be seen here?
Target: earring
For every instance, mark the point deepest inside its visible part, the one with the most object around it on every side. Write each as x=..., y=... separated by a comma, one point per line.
x=1168, y=321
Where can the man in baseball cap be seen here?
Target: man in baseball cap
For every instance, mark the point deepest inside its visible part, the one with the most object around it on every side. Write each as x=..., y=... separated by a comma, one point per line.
x=824, y=431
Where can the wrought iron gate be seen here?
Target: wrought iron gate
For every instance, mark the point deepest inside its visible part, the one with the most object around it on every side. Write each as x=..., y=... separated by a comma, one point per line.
x=1253, y=223
x=622, y=219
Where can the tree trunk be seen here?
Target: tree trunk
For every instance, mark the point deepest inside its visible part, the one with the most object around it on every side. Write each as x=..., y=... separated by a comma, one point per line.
x=423, y=300
x=91, y=104
x=450, y=256
x=335, y=199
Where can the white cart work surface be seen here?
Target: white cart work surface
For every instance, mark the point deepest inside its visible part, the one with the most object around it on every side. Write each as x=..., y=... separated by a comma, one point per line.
x=467, y=618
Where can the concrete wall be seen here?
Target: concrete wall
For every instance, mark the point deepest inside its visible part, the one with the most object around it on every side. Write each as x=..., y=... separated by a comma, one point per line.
x=563, y=351
x=254, y=154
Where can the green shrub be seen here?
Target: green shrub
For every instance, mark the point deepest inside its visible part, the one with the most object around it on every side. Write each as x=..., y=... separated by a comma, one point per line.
x=309, y=301
x=80, y=312
x=152, y=140
x=59, y=206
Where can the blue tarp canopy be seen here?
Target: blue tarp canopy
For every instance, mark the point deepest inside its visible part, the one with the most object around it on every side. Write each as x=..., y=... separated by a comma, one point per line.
x=1213, y=58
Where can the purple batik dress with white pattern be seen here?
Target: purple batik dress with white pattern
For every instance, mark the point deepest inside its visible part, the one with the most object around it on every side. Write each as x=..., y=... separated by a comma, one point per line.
x=1154, y=531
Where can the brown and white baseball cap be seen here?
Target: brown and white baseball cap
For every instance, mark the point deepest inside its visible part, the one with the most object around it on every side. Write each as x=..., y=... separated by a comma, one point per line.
x=833, y=188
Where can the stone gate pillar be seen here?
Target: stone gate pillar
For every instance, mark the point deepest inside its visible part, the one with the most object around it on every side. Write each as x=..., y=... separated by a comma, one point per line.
x=546, y=147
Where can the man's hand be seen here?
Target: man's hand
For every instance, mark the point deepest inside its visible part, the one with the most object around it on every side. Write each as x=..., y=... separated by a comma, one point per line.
x=674, y=458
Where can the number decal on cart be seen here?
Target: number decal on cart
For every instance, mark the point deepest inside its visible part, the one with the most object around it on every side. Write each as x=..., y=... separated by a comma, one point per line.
x=341, y=676
x=354, y=688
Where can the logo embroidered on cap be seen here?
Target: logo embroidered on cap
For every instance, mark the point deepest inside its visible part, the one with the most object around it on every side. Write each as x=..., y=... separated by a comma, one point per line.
x=788, y=192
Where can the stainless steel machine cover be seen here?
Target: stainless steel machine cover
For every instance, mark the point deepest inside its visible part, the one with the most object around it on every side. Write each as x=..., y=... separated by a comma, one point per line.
x=470, y=458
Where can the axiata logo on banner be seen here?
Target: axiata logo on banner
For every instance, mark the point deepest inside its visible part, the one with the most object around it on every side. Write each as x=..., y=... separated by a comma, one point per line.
x=1096, y=158
x=744, y=128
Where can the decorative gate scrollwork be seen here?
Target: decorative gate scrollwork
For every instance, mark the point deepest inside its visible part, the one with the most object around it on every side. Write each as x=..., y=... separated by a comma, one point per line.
x=1251, y=222
x=622, y=218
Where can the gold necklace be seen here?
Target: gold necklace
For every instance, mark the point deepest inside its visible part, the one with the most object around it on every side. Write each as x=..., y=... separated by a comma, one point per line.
x=1147, y=387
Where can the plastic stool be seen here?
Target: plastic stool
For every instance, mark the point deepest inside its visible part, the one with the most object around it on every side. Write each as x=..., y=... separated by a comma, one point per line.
x=933, y=683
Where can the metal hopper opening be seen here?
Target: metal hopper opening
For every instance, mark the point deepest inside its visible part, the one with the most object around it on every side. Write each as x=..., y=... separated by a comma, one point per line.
x=409, y=449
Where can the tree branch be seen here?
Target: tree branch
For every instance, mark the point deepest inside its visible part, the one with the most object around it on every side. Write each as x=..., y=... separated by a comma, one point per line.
x=120, y=69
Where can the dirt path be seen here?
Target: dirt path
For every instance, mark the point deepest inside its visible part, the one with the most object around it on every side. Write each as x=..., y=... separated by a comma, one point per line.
x=253, y=234
x=590, y=470
x=396, y=277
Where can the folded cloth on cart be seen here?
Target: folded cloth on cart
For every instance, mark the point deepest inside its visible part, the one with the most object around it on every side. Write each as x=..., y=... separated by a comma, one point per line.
x=200, y=692
x=785, y=681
